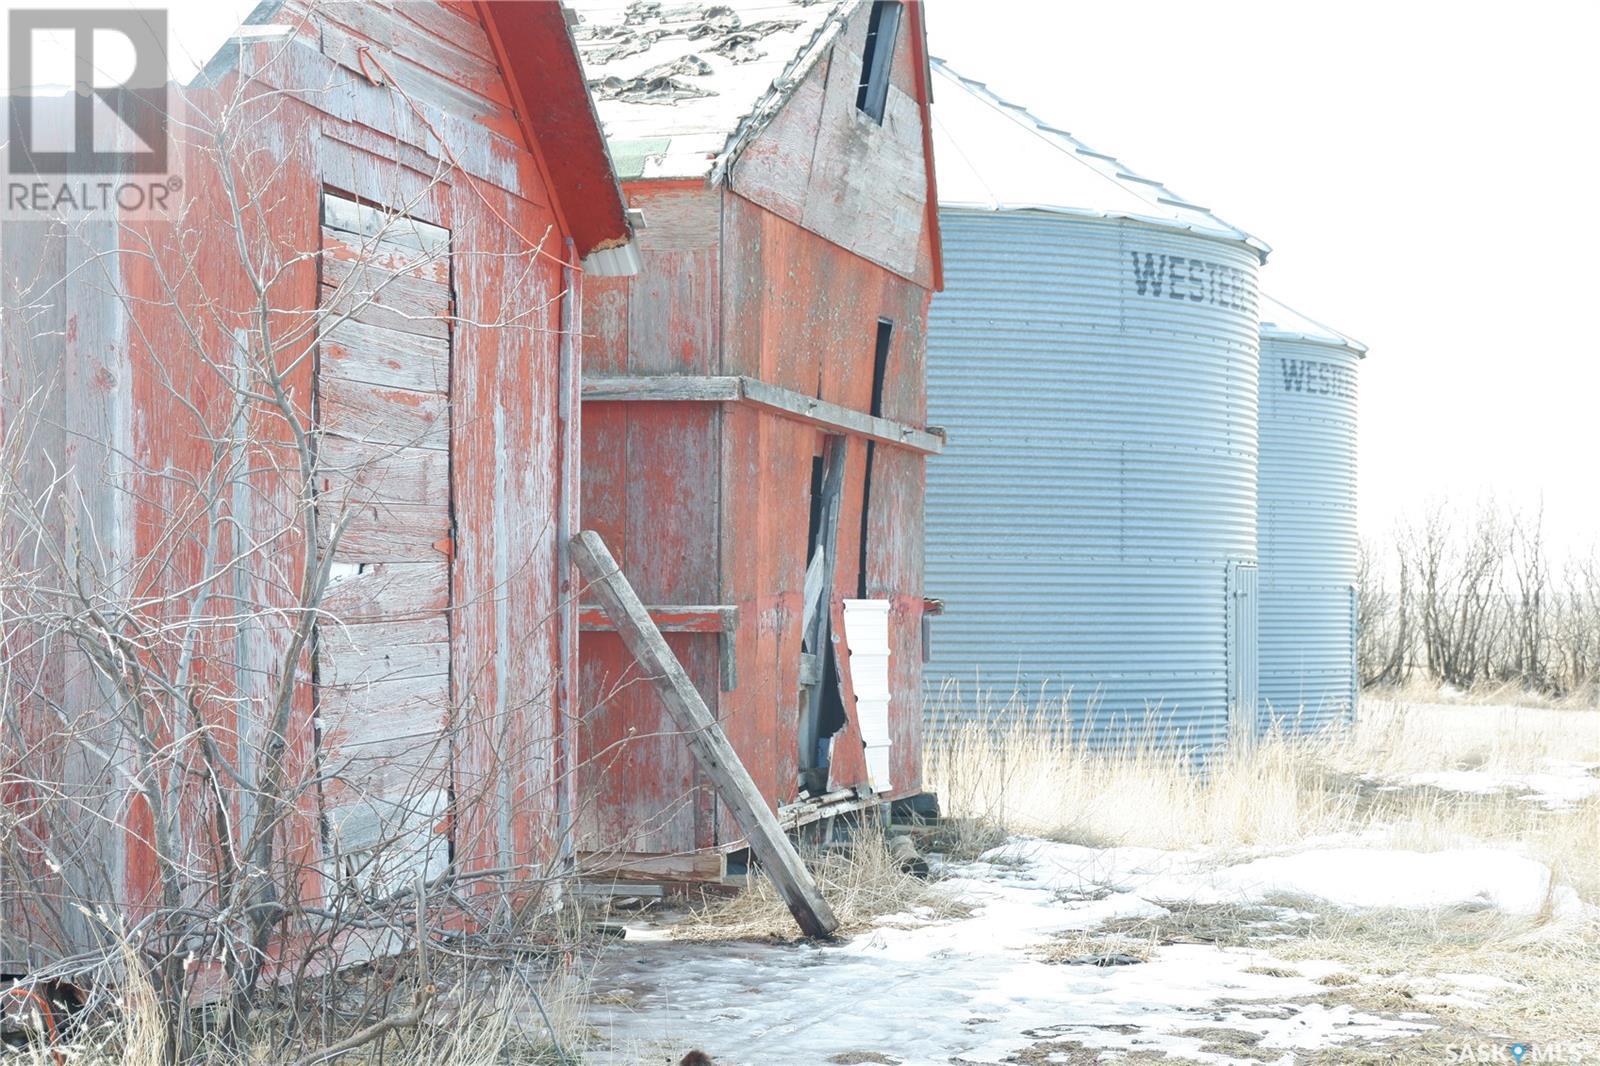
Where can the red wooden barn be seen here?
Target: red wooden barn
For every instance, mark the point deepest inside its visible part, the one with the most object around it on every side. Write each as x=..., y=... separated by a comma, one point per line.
x=376, y=268
x=753, y=438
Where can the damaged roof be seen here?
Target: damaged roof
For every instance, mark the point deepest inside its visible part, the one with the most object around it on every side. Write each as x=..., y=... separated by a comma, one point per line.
x=1282, y=321
x=680, y=87
x=994, y=155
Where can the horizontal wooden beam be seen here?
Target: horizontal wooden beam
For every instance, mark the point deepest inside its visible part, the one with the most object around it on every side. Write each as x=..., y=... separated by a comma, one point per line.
x=643, y=866
x=673, y=619
x=663, y=387
x=716, y=619
x=785, y=402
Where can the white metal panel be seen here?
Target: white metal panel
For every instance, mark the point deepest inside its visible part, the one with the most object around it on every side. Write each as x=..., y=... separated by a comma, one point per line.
x=866, y=627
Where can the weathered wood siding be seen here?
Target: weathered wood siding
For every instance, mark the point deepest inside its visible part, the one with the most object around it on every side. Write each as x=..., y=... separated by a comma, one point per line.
x=782, y=276
x=421, y=125
x=808, y=314
x=834, y=170
x=650, y=486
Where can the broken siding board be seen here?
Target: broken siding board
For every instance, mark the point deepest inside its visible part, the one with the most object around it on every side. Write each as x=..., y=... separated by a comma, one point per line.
x=361, y=653
x=362, y=472
x=469, y=122
x=355, y=161
x=394, y=535
x=392, y=301
x=427, y=36
x=378, y=355
x=390, y=591
x=384, y=239
x=379, y=415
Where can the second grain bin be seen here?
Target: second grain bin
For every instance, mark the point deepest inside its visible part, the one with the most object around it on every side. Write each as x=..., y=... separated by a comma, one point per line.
x=1307, y=522
x=1091, y=527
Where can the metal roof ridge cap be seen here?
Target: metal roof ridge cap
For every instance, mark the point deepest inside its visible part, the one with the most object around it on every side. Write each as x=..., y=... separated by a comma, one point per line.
x=1349, y=344
x=1339, y=336
x=1052, y=136
x=1225, y=233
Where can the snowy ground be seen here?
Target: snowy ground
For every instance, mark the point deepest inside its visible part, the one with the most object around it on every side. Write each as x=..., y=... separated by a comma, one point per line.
x=1338, y=949
x=1559, y=785
x=982, y=989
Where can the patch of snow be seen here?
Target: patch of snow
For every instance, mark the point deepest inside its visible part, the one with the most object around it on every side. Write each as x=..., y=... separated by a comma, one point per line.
x=1560, y=786
x=1342, y=876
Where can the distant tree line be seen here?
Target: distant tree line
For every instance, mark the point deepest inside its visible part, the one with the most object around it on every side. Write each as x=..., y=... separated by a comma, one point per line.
x=1473, y=600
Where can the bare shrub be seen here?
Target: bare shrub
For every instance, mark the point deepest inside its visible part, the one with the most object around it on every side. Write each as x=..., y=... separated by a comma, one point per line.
x=1473, y=602
x=168, y=766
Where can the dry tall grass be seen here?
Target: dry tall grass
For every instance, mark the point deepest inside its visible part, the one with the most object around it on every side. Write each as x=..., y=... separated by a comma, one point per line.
x=1281, y=791
x=862, y=881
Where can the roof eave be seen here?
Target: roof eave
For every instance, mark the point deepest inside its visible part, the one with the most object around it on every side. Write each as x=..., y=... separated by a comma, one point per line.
x=551, y=96
x=1235, y=236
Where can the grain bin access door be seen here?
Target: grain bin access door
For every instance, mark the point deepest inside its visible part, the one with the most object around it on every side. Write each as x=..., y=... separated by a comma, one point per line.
x=1243, y=647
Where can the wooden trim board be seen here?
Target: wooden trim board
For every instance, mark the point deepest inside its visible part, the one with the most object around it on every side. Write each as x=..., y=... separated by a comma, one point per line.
x=679, y=388
x=723, y=621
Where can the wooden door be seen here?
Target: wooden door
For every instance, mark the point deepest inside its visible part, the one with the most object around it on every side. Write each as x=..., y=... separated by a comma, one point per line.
x=382, y=678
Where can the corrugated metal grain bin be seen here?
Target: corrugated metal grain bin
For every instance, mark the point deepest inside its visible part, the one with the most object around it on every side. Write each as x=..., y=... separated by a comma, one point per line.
x=1307, y=521
x=1092, y=526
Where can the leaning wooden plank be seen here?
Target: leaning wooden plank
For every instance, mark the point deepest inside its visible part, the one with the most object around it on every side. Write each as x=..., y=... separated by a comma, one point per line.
x=809, y=409
x=704, y=736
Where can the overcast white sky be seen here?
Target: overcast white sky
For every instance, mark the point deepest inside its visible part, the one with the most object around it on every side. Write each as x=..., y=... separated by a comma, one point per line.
x=1427, y=174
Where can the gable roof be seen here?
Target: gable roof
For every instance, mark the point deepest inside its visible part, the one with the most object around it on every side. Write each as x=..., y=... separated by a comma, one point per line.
x=534, y=47
x=681, y=87
x=994, y=155
x=1284, y=322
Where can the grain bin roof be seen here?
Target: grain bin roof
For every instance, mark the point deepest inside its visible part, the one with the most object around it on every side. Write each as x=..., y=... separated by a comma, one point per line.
x=1280, y=320
x=993, y=155
x=680, y=87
